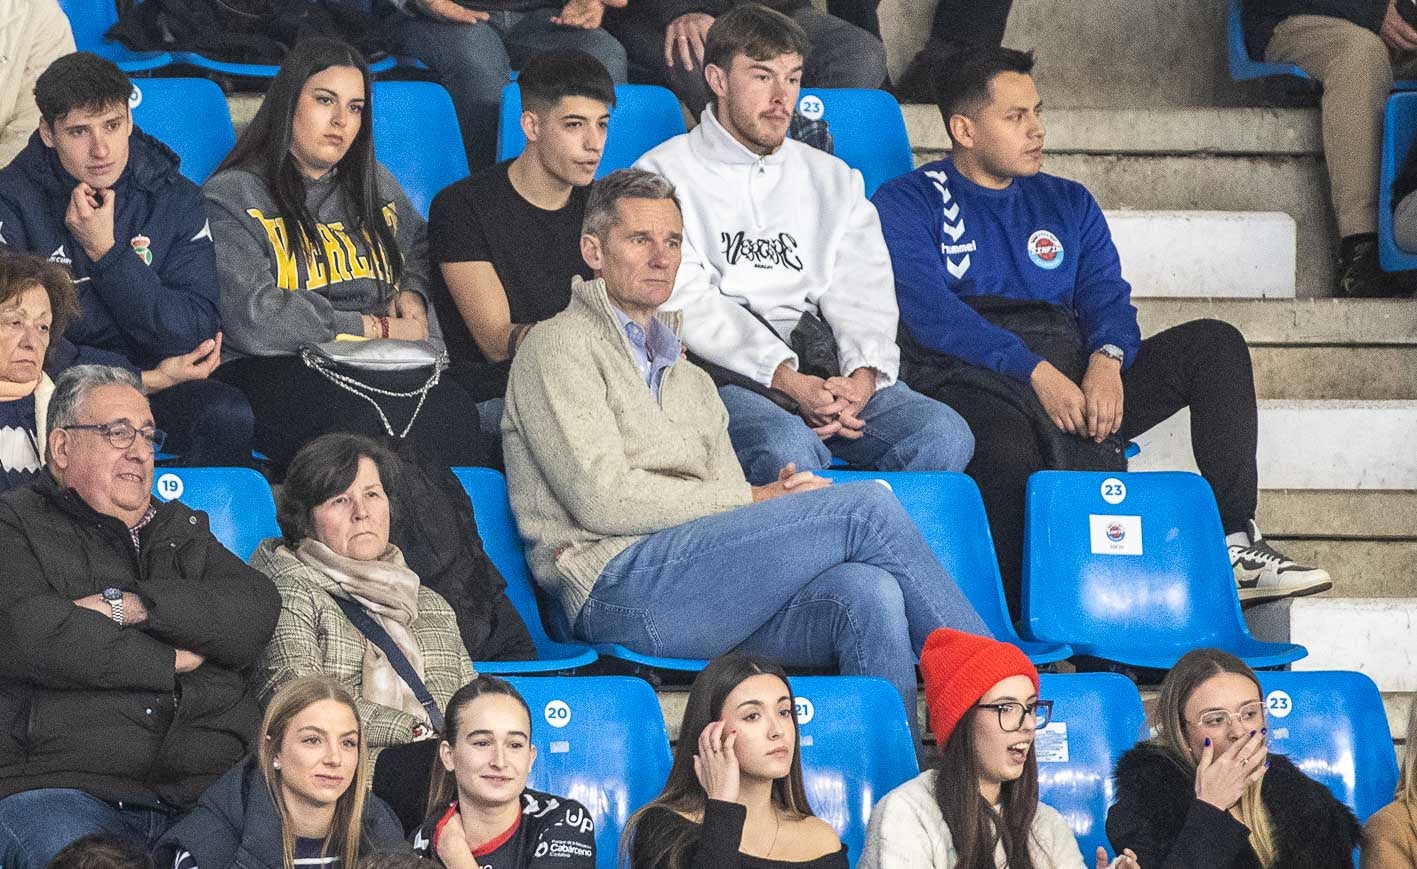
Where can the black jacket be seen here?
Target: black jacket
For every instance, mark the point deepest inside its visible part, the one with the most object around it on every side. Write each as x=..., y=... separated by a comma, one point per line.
x=154, y=294
x=1259, y=17
x=87, y=704
x=1158, y=816
x=236, y=824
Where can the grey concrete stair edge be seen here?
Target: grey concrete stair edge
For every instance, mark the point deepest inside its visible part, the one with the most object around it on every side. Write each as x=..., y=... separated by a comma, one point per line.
x=1315, y=514
x=1306, y=373
x=1360, y=568
x=1293, y=322
x=1231, y=132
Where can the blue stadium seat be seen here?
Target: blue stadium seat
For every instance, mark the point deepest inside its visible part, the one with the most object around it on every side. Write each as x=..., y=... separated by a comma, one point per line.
x=257, y=70
x=1096, y=718
x=1132, y=567
x=1399, y=132
x=1242, y=66
x=190, y=116
x=503, y=544
x=948, y=511
x=90, y=20
x=237, y=501
x=856, y=748
x=1333, y=727
x=599, y=740
x=867, y=128
x=644, y=115
x=416, y=137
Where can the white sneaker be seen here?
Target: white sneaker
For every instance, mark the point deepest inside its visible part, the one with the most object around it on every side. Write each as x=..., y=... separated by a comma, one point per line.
x=1263, y=573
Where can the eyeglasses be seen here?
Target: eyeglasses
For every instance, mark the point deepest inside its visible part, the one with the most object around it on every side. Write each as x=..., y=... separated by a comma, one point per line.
x=1012, y=715
x=1251, y=716
x=121, y=435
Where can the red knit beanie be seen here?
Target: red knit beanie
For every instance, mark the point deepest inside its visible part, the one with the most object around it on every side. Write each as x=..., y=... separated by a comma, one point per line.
x=959, y=669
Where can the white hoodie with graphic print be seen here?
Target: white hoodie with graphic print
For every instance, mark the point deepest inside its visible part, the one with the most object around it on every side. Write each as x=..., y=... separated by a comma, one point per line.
x=784, y=234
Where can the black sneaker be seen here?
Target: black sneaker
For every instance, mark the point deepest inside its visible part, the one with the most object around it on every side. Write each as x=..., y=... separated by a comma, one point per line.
x=1264, y=573
x=1361, y=276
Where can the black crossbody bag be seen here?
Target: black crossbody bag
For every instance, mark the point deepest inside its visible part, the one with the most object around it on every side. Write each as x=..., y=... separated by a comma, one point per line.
x=380, y=637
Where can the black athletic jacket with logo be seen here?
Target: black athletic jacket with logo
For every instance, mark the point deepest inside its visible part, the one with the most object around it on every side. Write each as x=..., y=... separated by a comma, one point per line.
x=552, y=833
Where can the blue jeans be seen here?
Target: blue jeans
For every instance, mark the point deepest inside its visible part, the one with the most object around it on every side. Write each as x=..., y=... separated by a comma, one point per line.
x=474, y=62
x=905, y=431
x=36, y=825
x=835, y=576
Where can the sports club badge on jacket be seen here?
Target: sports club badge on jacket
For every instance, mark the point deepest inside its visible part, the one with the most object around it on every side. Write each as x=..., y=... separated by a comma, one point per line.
x=142, y=246
x=1045, y=250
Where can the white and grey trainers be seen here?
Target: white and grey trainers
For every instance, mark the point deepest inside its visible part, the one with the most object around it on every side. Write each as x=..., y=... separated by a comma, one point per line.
x=1263, y=573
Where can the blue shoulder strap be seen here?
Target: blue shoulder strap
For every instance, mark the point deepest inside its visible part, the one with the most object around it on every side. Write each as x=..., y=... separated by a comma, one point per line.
x=380, y=637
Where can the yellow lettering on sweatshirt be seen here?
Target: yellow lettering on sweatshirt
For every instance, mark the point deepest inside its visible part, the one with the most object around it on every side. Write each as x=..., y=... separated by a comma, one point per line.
x=346, y=263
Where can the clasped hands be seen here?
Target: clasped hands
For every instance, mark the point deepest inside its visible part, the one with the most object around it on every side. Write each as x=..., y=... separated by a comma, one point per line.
x=830, y=406
x=1092, y=411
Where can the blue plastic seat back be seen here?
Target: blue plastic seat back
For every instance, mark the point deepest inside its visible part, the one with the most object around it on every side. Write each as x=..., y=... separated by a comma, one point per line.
x=1244, y=67
x=856, y=748
x=867, y=128
x=237, y=501
x=1332, y=725
x=416, y=137
x=1096, y=718
x=644, y=116
x=190, y=116
x=1133, y=567
x=949, y=512
x=599, y=740
x=90, y=19
x=487, y=489
x=1399, y=132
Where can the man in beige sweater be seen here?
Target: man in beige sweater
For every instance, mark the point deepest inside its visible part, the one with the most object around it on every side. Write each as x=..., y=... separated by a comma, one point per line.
x=625, y=484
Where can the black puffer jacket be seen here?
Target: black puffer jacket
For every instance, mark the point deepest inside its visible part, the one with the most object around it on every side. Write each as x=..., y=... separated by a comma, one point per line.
x=87, y=704
x=236, y=824
x=1259, y=17
x=1158, y=816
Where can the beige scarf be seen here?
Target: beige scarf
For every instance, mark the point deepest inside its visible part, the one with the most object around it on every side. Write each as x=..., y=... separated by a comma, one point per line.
x=388, y=591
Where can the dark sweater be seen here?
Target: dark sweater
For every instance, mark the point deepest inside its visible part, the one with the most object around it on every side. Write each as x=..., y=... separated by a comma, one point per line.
x=718, y=838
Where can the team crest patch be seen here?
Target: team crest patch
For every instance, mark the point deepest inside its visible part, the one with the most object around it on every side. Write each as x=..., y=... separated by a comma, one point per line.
x=142, y=247
x=1045, y=250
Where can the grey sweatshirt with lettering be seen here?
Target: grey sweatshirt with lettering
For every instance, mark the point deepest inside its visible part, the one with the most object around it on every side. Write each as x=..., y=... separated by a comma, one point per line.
x=273, y=298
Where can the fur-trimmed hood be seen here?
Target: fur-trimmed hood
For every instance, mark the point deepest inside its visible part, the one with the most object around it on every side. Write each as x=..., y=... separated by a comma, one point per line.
x=1156, y=806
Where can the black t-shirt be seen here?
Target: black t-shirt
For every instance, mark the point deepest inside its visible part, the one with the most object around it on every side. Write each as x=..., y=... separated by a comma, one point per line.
x=535, y=252
x=551, y=833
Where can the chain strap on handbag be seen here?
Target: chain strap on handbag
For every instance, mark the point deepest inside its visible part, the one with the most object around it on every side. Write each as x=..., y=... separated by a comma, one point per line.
x=341, y=361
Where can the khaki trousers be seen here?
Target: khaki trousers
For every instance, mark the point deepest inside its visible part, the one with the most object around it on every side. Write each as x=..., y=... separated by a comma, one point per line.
x=1357, y=69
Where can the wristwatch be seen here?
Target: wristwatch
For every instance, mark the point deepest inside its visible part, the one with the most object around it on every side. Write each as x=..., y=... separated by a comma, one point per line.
x=1111, y=351
x=114, y=598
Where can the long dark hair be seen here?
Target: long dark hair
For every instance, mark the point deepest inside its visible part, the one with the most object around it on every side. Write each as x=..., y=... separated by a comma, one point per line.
x=443, y=785
x=264, y=148
x=683, y=794
x=977, y=828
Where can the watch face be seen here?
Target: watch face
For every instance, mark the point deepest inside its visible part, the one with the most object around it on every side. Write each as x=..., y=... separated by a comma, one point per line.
x=112, y=594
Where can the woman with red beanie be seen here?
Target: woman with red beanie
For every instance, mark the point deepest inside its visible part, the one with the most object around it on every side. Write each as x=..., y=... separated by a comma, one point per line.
x=978, y=808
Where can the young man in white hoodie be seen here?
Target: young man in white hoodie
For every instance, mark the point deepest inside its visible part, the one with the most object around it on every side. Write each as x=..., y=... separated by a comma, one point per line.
x=775, y=230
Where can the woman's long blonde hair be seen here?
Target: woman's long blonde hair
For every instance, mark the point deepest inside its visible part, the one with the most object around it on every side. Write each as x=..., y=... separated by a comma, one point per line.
x=1190, y=672
x=292, y=699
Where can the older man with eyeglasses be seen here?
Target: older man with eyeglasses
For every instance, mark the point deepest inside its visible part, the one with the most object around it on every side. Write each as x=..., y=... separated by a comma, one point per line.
x=127, y=629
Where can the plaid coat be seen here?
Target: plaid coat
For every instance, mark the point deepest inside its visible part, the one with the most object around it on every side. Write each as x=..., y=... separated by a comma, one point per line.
x=313, y=636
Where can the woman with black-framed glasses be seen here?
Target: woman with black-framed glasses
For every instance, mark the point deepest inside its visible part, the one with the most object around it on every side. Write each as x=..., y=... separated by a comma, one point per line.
x=979, y=806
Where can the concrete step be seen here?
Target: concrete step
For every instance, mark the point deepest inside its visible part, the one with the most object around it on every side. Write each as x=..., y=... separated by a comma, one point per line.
x=1370, y=636
x=1245, y=254
x=1355, y=514
x=1294, y=322
x=1320, y=444
x=1352, y=372
x=1178, y=62
x=1375, y=569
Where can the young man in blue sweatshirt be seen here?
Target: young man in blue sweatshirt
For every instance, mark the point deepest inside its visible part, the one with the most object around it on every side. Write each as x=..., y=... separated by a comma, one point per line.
x=106, y=201
x=1016, y=314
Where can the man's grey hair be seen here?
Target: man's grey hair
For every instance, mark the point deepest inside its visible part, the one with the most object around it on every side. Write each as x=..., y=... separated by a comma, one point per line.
x=74, y=385
x=600, y=211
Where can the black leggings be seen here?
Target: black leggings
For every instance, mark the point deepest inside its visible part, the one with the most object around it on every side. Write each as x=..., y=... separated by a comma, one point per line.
x=1203, y=365
x=294, y=404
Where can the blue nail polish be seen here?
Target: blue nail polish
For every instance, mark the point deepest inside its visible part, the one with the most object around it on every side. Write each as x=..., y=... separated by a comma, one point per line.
x=1207, y=741
x=1252, y=733
x=1264, y=730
